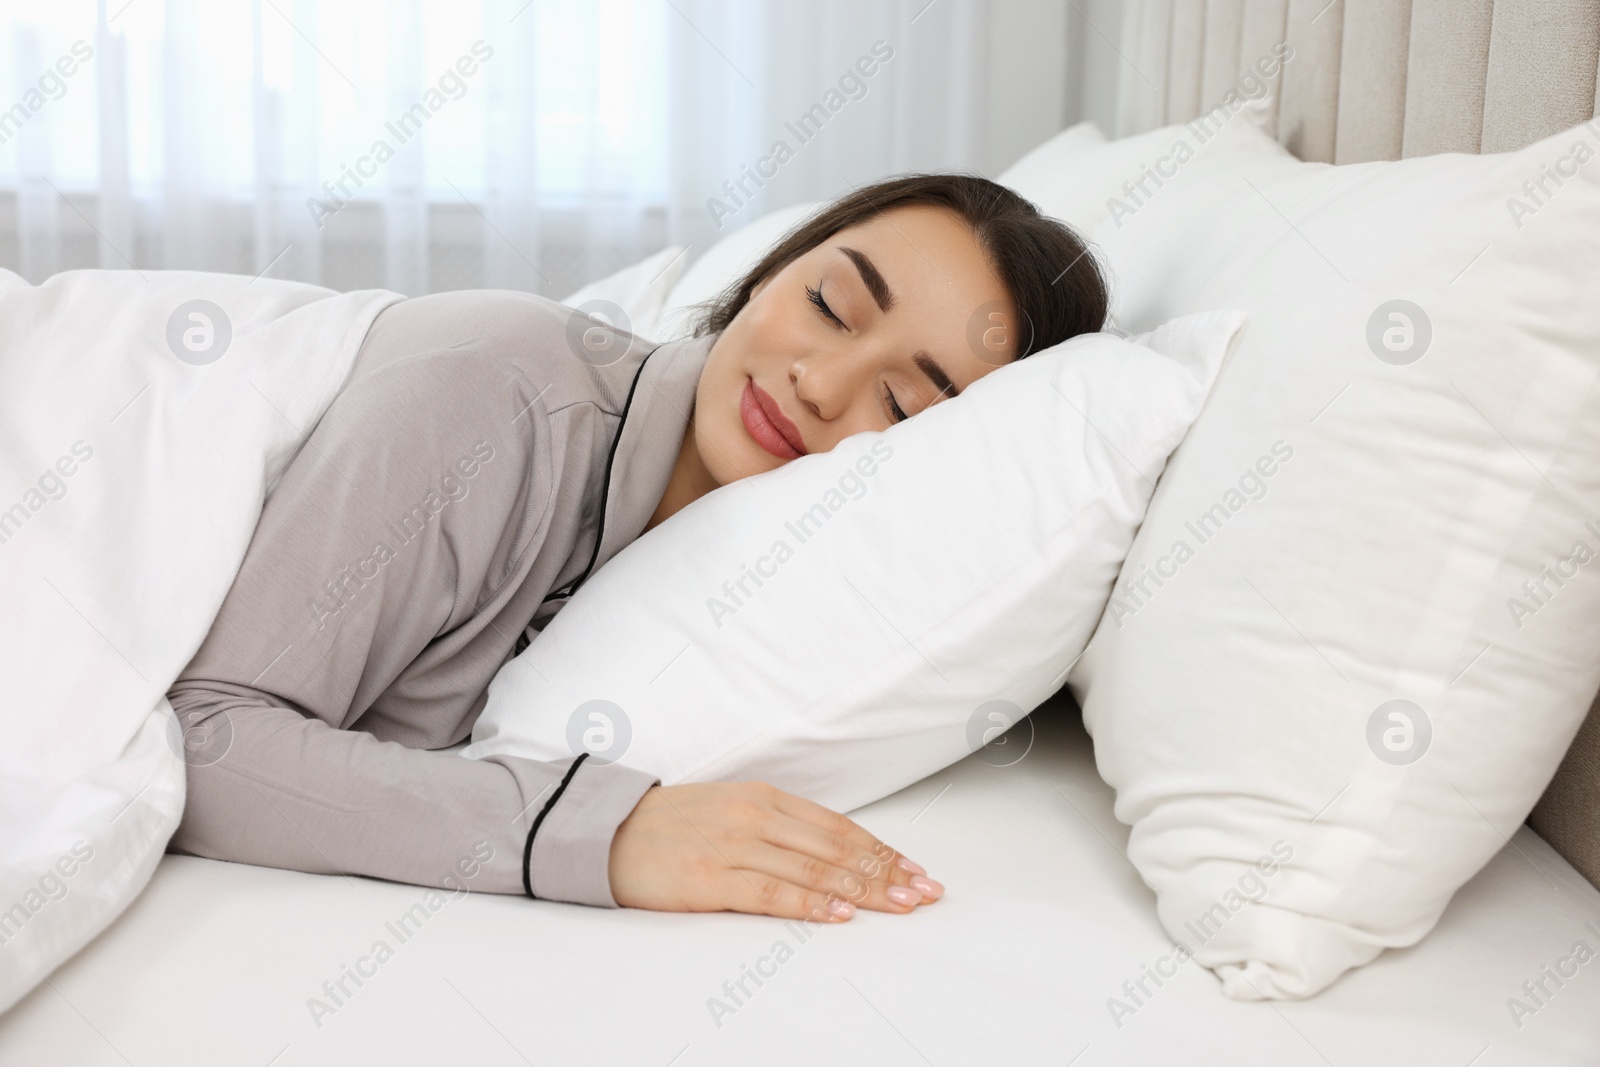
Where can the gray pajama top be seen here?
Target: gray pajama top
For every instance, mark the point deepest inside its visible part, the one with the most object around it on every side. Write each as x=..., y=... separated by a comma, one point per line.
x=488, y=453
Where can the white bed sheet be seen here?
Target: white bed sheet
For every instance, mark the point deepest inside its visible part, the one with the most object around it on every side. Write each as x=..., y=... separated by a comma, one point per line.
x=1043, y=921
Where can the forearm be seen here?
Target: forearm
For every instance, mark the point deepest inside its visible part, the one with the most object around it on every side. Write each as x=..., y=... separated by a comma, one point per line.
x=293, y=792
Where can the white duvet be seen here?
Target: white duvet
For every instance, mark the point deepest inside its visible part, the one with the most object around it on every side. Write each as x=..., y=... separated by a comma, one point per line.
x=144, y=416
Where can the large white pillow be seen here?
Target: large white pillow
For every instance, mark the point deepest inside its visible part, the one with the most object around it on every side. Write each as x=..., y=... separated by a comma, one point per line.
x=632, y=299
x=1075, y=176
x=856, y=619
x=724, y=263
x=1083, y=180
x=1048, y=174
x=1361, y=623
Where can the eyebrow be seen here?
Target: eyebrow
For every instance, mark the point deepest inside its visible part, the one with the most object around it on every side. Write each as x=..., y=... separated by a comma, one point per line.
x=941, y=381
x=883, y=296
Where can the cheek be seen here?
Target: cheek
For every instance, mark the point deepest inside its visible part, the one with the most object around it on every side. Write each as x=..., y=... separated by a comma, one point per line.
x=725, y=447
x=716, y=410
x=721, y=381
x=765, y=322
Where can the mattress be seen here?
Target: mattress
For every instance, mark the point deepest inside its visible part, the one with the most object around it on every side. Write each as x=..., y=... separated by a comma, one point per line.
x=1044, y=930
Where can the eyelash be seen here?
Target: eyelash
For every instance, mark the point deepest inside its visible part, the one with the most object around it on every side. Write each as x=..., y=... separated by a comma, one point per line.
x=815, y=296
x=897, y=414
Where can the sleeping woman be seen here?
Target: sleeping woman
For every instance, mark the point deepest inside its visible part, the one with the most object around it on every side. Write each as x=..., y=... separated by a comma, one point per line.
x=483, y=459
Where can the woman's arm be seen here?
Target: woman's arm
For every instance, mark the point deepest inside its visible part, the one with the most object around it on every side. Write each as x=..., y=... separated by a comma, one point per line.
x=297, y=793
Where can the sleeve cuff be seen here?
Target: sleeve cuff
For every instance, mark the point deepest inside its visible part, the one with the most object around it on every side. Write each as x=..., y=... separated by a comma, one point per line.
x=570, y=857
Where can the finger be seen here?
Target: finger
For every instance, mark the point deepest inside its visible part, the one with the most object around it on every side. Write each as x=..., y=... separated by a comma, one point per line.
x=878, y=876
x=843, y=826
x=758, y=893
x=810, y=872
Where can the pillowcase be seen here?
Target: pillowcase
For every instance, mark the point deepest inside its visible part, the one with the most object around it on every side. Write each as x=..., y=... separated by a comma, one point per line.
x=632, y=298
x=1075, y=176
x=852, y=621
x=1051, y=177
x=1357, y=629
x=724, y=263
x=1079, y=178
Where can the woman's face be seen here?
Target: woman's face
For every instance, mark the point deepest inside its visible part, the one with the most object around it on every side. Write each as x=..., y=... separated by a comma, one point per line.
x=914, y=314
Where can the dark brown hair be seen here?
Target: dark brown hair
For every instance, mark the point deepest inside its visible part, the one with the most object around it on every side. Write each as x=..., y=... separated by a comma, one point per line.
x=1052, y=276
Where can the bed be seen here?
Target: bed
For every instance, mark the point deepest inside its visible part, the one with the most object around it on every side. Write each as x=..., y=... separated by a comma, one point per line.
x=1043, y=923
x=1046, y=948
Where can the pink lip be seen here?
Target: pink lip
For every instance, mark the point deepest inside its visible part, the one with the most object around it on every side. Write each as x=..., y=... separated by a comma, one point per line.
x=766, y=423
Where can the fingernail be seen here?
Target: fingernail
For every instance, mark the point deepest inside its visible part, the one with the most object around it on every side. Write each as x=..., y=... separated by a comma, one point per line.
x=842, y=908
x=910, y=865
x=927, y=887
x=902, y=895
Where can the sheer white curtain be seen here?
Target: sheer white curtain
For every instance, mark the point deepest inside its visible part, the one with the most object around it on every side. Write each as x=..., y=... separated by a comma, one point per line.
x=424, y=145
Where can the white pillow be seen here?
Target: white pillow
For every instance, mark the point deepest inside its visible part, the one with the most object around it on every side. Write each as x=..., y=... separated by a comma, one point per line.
x=1048, y=174
x=724, y=263
x=1075, y=176
x=1079, y=178
x=1404, y=445
x=920, y=589
x=632, y=298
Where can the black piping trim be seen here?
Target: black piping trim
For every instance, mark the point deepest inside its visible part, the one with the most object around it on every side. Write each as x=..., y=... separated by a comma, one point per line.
x=527, y=849
x=605, y=488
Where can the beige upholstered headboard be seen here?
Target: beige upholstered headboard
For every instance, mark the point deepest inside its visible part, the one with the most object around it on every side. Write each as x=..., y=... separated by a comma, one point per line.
x=1390, y=79
x=1371, y=79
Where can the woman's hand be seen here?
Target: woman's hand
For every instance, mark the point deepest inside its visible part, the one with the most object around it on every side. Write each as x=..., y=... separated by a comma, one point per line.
x=747, y=846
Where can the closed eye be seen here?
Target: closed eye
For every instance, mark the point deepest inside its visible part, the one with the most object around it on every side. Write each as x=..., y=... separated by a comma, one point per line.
x=815, y=296
x=896, y=413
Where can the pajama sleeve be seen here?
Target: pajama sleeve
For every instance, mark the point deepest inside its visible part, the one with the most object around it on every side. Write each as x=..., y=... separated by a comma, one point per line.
x=367, y=619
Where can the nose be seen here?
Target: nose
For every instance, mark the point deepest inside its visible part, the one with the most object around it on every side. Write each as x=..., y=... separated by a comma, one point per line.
x=828, y=380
